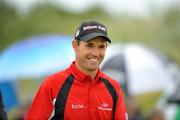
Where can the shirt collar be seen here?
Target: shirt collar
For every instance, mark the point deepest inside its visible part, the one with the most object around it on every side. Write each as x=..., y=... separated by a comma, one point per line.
x=79, y=75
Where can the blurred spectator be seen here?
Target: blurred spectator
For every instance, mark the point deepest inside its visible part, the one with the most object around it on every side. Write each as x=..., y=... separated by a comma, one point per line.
x=133, y=110
x=156, y=114
x=3, y=115
x=21, y=111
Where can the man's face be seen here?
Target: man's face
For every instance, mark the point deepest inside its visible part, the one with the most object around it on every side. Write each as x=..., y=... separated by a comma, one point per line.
x=90, y=54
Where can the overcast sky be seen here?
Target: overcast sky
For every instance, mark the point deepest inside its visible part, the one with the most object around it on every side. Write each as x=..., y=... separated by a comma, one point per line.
x=134, y=7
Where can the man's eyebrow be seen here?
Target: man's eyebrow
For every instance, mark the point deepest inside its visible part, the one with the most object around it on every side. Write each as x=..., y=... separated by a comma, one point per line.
x=89, y=43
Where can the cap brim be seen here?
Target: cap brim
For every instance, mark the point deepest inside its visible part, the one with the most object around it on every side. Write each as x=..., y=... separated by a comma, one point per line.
x=93, y=35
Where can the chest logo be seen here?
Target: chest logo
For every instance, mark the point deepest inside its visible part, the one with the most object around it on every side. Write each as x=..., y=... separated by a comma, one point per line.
x=77, y=106
x=104, y=106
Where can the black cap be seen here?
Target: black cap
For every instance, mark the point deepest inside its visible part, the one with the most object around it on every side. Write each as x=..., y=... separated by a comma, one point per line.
x=91, y=29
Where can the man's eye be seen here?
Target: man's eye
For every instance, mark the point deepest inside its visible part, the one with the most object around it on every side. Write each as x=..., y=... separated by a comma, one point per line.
x=102, y=47
x=89, y=46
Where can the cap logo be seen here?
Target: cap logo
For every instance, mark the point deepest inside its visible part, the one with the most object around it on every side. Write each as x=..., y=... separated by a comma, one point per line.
x=94, y=27
x=77, y=33
x=102, y=28
x=89, y=27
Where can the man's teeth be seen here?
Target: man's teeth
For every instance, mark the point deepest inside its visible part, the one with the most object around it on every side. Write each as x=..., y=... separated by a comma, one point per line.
x=94, y=60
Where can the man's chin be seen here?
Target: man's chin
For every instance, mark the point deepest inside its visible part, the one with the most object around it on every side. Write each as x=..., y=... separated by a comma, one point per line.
x=93, y=68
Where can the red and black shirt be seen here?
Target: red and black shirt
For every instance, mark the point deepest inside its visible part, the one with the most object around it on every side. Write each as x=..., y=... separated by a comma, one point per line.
x=72, y=95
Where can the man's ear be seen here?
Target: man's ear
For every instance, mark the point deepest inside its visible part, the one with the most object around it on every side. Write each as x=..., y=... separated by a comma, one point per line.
x=74, y=44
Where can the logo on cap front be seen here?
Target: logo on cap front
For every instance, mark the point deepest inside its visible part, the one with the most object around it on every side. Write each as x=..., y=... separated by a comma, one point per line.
x=89, y=27
x=94, y=27
x=101, y=28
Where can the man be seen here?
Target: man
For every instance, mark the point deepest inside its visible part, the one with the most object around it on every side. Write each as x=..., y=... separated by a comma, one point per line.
x=3, y=115
x=81, y=91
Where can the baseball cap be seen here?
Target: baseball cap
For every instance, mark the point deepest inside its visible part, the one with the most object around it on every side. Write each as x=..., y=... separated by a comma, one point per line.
x=91, y=29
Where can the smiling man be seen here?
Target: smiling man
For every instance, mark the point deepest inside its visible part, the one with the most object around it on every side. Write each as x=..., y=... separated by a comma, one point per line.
x=82, y=91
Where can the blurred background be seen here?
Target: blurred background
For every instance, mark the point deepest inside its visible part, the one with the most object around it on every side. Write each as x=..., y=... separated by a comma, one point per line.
x=35, y=41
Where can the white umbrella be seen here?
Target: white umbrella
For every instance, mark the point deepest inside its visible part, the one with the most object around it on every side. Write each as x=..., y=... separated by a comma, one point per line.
x=144, y=70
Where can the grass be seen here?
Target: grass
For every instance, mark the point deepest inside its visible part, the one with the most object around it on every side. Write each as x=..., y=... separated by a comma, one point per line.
x=147, y=101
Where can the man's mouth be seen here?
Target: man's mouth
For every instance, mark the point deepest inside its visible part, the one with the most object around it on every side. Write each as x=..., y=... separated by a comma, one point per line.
x=93, y=59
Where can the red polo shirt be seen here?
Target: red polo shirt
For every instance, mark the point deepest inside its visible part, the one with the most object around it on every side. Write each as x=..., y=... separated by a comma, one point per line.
x=87, y=99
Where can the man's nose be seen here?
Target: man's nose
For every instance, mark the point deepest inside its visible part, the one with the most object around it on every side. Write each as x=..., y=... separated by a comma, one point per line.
x=95, y=51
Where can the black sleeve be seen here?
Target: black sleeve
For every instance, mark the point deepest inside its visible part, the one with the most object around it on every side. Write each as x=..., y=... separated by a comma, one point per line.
x=3, y=115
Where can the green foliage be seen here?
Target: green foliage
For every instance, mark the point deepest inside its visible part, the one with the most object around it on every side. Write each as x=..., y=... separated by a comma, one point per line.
x=7, y=18
x=159, y=31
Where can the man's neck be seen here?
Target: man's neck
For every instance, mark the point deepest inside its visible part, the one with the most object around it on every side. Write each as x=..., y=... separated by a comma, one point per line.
x=92, y=73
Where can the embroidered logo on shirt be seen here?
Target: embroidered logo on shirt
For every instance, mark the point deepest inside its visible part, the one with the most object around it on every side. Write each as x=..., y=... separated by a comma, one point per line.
x=77, y=106
x=104, y=106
